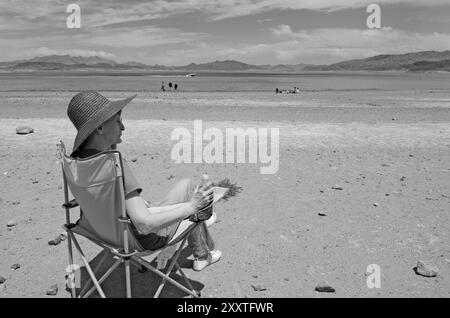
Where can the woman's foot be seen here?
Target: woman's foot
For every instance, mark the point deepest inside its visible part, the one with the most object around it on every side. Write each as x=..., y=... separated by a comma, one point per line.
x=213, y=257
x=211, y=220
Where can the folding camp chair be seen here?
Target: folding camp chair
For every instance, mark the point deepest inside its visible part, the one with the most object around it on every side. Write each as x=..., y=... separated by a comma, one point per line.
x=97, y=184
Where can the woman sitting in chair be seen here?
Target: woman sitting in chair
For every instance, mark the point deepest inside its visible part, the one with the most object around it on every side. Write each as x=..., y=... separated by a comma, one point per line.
x=99, y=125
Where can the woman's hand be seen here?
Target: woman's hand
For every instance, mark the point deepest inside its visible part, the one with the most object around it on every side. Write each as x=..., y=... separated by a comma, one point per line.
x=203, y=196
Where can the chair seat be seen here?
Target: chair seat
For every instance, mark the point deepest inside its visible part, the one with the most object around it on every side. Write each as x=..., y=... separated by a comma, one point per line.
x=148, y=255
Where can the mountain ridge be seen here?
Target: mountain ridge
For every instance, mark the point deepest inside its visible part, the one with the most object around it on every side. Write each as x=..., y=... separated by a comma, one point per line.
x=413, y=62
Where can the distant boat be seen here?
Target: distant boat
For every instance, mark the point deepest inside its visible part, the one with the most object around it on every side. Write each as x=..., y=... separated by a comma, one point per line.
x=190, y=75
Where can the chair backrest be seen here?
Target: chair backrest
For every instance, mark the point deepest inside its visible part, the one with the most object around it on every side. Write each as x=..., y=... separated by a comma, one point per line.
x=97, y=184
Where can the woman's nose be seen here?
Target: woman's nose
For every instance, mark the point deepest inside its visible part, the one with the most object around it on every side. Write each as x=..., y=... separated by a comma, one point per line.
x=122, y=127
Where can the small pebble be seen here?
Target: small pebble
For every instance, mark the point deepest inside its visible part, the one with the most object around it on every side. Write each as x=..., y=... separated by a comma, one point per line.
x=375, y=204
x=134, y=160
x=322, y=214
x=258, y=288
x=15, y=266
x=324, y=287
x=11, y=223
x=53, y=290
x=337, y=187
x=2, y=279
x=55, y=241
x=15, y=202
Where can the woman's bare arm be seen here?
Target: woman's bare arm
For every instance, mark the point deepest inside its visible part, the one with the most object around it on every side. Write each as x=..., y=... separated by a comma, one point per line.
x=147, y=221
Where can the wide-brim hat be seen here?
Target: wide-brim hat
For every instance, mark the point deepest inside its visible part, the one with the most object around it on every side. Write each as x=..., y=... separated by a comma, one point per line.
x=89, y=109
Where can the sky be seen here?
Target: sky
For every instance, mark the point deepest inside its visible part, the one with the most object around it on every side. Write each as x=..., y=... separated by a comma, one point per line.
x=180, y=32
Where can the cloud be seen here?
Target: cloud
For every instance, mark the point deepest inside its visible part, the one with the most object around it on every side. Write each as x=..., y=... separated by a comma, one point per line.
x=142, y=37
x=282, y=30
x=330, y=45
x=237, y=8
x=110, y=12
x=43, y=51
x=319, y=46
x=265, y=20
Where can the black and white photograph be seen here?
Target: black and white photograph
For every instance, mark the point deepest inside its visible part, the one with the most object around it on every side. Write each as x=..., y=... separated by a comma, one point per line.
x=225, y=149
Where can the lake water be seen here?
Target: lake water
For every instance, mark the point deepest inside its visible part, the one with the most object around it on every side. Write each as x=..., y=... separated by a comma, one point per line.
x=223, y=82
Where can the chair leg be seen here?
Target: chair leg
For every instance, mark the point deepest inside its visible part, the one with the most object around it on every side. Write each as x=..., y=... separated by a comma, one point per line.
x=164, y=276
x=96, y=269
x=186, y=279
x=105, y=276
x=128, y=278
x=86, y=263
x=69, y=246
x=169, y=270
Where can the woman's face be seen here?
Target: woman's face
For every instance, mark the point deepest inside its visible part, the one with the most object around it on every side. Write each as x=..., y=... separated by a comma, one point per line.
x=112, y=129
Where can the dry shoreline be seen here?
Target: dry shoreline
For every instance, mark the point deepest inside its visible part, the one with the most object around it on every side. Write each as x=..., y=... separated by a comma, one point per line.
x=327, y=107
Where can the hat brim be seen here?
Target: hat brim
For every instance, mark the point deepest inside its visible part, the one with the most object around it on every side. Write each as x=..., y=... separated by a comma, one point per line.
x=112, y=108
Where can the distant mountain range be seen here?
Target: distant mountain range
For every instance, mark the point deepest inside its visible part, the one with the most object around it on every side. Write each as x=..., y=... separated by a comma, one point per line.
x=413, y=62
x=407, y=62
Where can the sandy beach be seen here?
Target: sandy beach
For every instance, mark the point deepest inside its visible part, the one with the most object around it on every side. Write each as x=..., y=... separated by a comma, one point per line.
x=389, y=155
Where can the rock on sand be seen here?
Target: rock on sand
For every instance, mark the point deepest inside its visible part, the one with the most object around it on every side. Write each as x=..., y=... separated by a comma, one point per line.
x=11, y=223
x=426, y=269
x=324, y=287
x=53, y=290
x=24, y=130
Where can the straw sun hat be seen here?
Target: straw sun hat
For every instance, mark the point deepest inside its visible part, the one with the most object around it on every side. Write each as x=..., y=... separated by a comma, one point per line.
x=88, y=110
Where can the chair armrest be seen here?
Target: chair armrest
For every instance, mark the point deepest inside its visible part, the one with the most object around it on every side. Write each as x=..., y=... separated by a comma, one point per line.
x=71, y=204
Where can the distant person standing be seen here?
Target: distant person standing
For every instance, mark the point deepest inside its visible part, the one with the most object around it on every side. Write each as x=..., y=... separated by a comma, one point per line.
x=175, y=86
x=170, y=86
x=162, y=87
